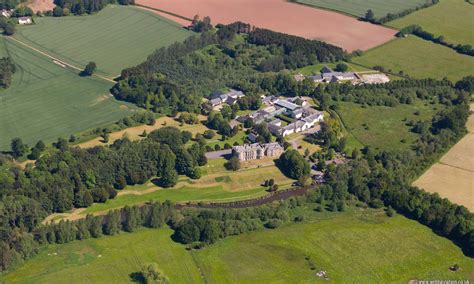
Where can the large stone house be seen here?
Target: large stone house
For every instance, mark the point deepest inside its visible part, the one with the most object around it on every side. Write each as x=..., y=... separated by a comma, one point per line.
x=257, y=151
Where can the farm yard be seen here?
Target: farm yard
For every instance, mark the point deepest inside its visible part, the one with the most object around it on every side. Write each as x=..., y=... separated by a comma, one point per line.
x=419, y=59
x=340, y=30
x=453, y=176
x=115, y=38
x=383, y=253
x=449, y=18
x=358, y=8
x=383, y=127
x=47, y=101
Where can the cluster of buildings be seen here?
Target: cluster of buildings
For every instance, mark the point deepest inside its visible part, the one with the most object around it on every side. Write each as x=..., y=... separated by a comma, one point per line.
x=297, y=109
x=327, y=75
x=229, y=98
x=257, y=151
x=21, y=20
x=6, y=13
x=304, y=123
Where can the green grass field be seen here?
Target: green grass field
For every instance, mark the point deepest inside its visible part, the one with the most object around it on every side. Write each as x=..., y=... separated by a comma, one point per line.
x=450, y=18
x=115, y=38
x=47, y=101
x=358, y=8
x=419, y=59
x=357, y=246
x=386, y=127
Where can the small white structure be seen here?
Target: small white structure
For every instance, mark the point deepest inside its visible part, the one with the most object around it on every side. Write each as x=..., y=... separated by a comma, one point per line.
x=25, y=21
x=6, y=13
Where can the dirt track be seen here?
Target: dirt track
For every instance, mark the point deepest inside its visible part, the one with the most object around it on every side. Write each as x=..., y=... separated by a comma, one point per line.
x=282, y=16
x=56, y=60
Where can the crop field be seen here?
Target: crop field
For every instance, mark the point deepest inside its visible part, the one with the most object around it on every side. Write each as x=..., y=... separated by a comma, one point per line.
x=343, y=31
x=453, y=176
x=360, y=246
x=419, y=59
x=358, y=8
x=450, y=18
x=47, y=101
x=115, y=38
x=383, y=127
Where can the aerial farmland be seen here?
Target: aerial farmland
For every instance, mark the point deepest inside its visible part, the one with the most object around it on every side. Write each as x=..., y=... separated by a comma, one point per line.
x=239, y=141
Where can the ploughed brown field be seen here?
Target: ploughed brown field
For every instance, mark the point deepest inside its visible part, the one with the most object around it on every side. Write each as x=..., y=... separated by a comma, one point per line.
x=41, y=5
x=281, y=16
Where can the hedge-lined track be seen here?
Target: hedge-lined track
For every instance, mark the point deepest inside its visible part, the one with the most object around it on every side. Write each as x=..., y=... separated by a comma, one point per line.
x=358, y=8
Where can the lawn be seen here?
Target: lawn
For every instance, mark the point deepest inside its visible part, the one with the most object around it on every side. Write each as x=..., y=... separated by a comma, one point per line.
x=217, y=184
x=357, y=246
x=383, y=127
x=115, y=38
x=450, y=18
x=419, y=59
x=358, y=8
x=46, y=101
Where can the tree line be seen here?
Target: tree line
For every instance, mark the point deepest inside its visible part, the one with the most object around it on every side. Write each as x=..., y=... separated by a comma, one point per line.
x=419, y=32
x=8, y=26
x=370, y=16
x=7, y=69
x=80, y=7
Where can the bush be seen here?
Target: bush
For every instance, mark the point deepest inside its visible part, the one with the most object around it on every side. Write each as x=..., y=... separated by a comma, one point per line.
x=273, y=224
x=299, y=218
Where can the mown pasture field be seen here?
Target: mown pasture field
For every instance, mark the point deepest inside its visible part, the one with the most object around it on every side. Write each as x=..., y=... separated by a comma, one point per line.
x=362, y=246
x=47, y=101
x=384, y=127
x=115, y=38
x=449, y=18
x=358, y=8
x=419, y=59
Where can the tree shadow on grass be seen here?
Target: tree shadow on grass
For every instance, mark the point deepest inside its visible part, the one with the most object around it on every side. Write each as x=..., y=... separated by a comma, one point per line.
x=136, y=277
